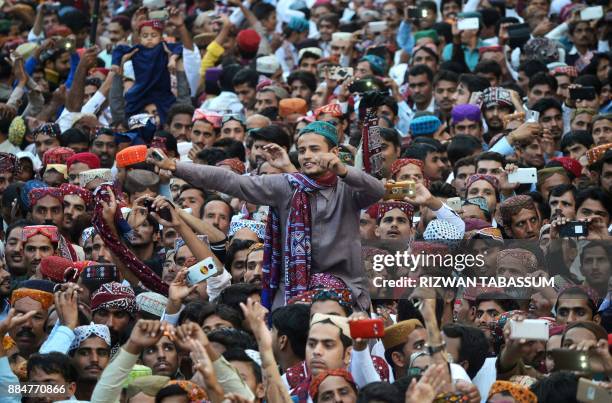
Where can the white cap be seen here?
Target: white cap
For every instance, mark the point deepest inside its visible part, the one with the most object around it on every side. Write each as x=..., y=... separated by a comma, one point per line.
x=341, y=36
x=316, y=51
x=267, y=65
x=26, y=154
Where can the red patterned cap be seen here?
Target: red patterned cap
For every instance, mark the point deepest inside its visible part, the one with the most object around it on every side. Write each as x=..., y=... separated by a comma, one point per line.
x=58, y=155
x=248, y=40
x=157, y=25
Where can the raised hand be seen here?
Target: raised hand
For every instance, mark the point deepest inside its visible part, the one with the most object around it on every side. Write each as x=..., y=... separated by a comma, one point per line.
x=14, y=319
x=179, y=288
x=145, y=334
x=109, y=209
x=255, y=315
x=277, y=157
x=331, y=162
x=161, y=203
x=359, y=344
x=165, y=162
x=66, y=305
x=139, y=212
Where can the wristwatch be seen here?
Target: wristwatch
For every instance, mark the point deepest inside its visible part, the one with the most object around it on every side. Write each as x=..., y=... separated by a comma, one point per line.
x=435, y=349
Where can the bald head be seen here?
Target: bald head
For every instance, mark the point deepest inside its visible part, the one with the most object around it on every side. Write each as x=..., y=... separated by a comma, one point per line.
x=257, y=122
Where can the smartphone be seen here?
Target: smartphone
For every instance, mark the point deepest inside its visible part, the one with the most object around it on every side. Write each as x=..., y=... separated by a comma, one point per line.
x=201, y=271
x=159, y=15
x=399, y=190
x=518, y=35
x=530, y=329
x=163, y=213
x=341, y=73
x=570, y=360
x=574, y=229
x=591, y=13
x=367, y=329
x=468, y=23
x=524, y=175
x=363, y=85
x=583, y=93
x=454, y=203
x=590, y=391
x=377, y=27
x=157, y=155
x=532, y=116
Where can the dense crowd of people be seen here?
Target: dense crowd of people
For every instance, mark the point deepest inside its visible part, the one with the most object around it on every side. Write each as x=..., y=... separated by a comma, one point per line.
x=305, y=201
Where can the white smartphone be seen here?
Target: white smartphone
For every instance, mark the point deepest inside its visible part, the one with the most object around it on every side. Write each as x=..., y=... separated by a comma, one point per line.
x=591, y=13
x=529, y=329
x=533, y=116
x=524, y=175
x=341, y=73
x=201, y=271
x=468, y=23
x=454, y=203
x=377, y=27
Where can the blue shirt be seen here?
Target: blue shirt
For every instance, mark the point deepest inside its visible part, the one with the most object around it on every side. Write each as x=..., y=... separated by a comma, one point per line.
x=471, y=56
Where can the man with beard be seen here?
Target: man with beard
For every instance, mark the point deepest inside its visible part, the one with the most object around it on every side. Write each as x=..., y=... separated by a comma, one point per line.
x=14, y=252
x=420, y=81
x=496, y=104
x=46, y=137
x=39, y=241
x=254, y=264
x=81, y=162
x=596, y=266
x=531, y=153
x=515, y=263
x=90, y=354
x=114, y=305
x=245, y=84
x=259, y=138
x=520, y=217
x=46, y=204
x=104, y=147
x=582, y=35
x=562, y=202
x=77, y=202
x=489, y=307
x=445, y=84
x=37, y=296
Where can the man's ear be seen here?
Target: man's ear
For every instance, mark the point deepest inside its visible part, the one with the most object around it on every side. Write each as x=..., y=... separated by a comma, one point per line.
x=597, y=318
x=283, y=342
x=377, y=231
x=347, y=355
x=260, y=391
x=335, y=150
x=72, y=386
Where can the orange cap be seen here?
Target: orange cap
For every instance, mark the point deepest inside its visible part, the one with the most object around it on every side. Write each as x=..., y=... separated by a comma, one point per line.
x=131, y=155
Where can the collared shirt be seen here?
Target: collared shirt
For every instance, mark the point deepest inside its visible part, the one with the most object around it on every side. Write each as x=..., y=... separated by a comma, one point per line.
x=471, y=55
x=335, y=215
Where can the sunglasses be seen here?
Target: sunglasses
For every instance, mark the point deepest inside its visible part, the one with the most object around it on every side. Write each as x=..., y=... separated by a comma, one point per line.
x=237, y=118
x=50, y=231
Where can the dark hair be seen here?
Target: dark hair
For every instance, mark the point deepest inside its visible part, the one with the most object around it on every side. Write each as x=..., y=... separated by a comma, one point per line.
x=463, y=162
x=170, y=140
x=123, y=21
x=490, y=156
x=225, y=312
x=543, y=78
x=490, y=16
x=576, y=137
x=95, y=81
x=445, y=30
x=233, y=338
x=419, y=151
x=594, y=193
x=379, y=392
x=236, y=354
x=429, y=5
x=215, y=197
x=53, y=363
x=500, y=298
x=488, y=67
x=273, y=134
x=391, y=135
x=598, y=331
x=473, y=82
x=446, y=75
x=421, y=69
x=572, y=26
x=226, y=79
x=193, y=312
x=474, y=346
x=595, y=244
x=462, y=145
x=263, y=10
x=442, y=189
x=235, y=294
x=305, y=77
x=179, y=109
x=331, y=18
x=560, y=190
x=588, y=80
x=72, y=136
x=232, y=147
x=559, y=386
x=212, y=155
x=169, y=391
x=545, y=104
x=391, y=103
x=346, y=340
x=246, y=76
x=74, y=19
x=532, y=67
x=236, y=246
x=577, y=291
x=293, y=321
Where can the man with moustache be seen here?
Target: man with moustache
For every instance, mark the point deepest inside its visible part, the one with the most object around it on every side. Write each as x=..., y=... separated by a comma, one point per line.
x=90, y=354
x=496, y=104
x=259, y=138
x=37, y=296
x=520, y=217
x=46, y=204
x=77, y=203
x=254, y=264
x=114, y=305
x=39, y=241
x=104, y=147
x=14, y=253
